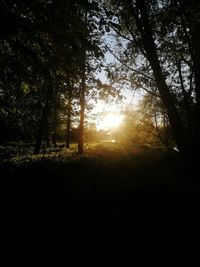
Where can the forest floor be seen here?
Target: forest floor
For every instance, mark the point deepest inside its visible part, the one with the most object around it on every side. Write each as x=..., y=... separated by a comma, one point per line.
x=115, y=205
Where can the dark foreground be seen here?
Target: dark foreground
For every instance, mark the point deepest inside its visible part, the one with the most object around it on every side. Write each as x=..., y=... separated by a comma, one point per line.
x=107, y=208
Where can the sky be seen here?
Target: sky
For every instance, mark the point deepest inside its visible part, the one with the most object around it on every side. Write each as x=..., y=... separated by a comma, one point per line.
x=110, y=41
x=131, y=98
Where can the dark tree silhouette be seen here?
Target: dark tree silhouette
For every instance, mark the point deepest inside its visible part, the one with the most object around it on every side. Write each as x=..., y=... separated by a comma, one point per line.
x=167, y=36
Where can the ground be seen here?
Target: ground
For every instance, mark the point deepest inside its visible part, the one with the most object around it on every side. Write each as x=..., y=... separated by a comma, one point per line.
x=115, y=205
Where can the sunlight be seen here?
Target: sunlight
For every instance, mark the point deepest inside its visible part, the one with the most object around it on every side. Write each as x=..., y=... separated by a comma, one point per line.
x=110, y=121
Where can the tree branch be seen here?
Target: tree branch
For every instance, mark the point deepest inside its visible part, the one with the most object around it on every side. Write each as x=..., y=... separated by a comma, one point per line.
x=137, y=83
x=134, y=70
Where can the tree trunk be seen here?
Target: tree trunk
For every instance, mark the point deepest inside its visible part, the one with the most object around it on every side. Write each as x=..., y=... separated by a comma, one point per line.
x=68, y=131
x=47, y=134
x=189, y=12
x=82, y=99
x=41, y=129
x=54, y=139
x=177, y=127
x=196, y=68
x=82, y=115
x=43, y=122
x=48, y=140
x=69, y=111
x=145, y=30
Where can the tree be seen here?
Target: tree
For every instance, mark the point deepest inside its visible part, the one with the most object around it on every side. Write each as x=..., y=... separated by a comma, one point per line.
x=46, y=45
x=90, y=50
x=153, y=121
x=70, y=88
x=150, y=32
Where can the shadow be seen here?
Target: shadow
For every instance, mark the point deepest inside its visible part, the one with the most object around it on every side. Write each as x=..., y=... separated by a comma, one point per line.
x=92, y=211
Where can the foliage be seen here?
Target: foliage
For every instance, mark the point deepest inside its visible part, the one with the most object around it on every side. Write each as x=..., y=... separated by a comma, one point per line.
x=38, y=56
x=50, y=57
x=157, y=42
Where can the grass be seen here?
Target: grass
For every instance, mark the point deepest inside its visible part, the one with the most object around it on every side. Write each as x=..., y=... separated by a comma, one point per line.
x=132, y=206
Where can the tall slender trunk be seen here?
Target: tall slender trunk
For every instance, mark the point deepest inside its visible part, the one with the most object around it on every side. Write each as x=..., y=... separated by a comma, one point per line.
x=145, y=30
x=68, y=129
x=43, y=123
x=82, y=115
x=69, y=111
x=82, y=98
x=41, y=129
x=47, y=135
x=54, y=138
x=176, y=123
x=189, y=13
x=196, y=68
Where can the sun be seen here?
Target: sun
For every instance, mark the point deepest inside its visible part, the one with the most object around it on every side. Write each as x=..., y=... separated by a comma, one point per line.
x=110, y=121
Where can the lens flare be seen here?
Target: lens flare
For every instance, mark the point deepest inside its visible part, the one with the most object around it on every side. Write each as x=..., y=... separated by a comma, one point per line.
x=110, y=121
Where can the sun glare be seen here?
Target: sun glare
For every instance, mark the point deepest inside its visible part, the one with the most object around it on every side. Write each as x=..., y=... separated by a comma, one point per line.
x=110, y=121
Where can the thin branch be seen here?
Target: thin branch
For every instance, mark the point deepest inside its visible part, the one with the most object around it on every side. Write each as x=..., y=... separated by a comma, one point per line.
x=157, y=127
x=127, y=23
x=121, y=35
x=178, y=64
x=138, y=84
x=186, y=61
x=180, y=9
x=191, y=87
x=148, y=91
x=134, y=70
x=150, y=132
